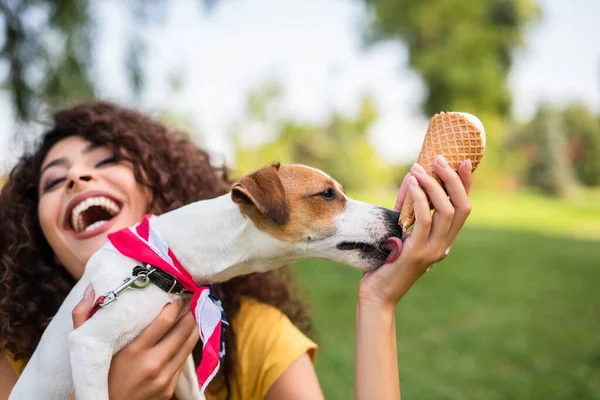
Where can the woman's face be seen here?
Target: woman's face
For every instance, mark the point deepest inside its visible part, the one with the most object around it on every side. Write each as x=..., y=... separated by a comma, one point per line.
x=84, y=195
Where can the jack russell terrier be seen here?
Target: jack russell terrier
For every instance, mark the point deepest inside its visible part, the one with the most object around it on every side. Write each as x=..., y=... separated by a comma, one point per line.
x=277, y=214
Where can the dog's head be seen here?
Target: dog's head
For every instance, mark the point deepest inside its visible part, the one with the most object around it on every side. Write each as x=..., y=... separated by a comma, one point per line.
x=309, y=212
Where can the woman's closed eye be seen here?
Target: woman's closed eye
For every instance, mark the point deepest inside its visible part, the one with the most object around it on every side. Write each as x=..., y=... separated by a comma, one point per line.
x=107, y=161
x=52, y=182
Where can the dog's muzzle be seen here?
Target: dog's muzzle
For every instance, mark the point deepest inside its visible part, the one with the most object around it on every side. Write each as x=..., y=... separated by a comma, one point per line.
x=375, y=251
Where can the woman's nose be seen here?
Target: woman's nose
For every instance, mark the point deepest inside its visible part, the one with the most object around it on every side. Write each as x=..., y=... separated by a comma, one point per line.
x=77, y=177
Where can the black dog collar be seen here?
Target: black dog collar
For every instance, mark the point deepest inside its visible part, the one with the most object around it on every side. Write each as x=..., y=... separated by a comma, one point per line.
x=162, y=279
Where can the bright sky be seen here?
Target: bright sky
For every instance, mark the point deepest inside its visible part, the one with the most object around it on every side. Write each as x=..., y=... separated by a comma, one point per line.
x=313, y=47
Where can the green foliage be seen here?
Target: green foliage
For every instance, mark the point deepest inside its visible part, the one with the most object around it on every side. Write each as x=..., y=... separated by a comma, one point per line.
x=561, y=147
x=549, y=169
x=340, y=146
x=463, y=51
x=583, y=135
x=48, y=47
x=50, y=56
x=462, y=48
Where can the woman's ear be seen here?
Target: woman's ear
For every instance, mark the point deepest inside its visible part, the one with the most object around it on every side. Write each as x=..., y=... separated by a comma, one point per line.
x=264, y=190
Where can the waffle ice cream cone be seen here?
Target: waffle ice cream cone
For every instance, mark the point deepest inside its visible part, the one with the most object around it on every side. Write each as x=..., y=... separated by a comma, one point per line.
x=455, y=135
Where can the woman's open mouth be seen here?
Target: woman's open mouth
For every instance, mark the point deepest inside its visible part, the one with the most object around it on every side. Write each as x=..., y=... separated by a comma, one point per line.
x=92, y=215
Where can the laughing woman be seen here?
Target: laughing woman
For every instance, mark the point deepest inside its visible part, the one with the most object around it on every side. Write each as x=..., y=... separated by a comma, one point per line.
x=110, y=152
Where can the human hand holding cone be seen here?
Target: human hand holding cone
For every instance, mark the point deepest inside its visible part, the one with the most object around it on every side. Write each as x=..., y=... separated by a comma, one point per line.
x=456, y=136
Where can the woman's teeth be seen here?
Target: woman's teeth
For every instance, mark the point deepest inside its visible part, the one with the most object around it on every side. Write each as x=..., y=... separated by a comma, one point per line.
x=94, y=225
x=107, y=204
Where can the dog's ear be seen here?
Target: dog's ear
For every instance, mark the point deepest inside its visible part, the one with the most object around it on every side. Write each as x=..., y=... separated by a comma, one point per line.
x=264, y=190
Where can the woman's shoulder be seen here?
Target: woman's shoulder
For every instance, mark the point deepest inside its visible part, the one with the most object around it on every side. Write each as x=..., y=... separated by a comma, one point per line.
x=267, y=343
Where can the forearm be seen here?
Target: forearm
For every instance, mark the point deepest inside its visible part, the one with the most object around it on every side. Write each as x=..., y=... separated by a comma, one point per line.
x=376, y=355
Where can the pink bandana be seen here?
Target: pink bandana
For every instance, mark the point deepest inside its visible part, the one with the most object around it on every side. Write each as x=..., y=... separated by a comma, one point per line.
x=144, y=244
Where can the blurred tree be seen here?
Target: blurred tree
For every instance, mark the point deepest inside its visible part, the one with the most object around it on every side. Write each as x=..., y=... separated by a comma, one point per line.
x=462, y=48
x=544, y=141
x=583, y=135
x=339, y=146
x=560, y=147
x=48, y=45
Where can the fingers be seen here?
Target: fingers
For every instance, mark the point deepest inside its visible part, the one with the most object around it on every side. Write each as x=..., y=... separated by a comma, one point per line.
x=82, y=310
x=458, y=187
x=451, y=212
x=185, y=331
x=453, y=183
x=160, y=326
x=465, y=171
x=402, y=194
x=420, y=231
x=178, y=360
x=174, y=380
x=444, y=211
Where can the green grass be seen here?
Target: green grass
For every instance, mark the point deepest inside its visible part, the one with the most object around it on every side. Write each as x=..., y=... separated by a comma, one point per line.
x=512, y=313
x=526, y=211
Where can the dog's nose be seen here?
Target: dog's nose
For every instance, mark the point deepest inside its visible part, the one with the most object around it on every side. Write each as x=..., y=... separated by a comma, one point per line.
x=393, y=226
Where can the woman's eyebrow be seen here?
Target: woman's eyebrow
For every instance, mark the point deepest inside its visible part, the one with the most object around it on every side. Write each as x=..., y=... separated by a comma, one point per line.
x=63, y=160
x=58, y=161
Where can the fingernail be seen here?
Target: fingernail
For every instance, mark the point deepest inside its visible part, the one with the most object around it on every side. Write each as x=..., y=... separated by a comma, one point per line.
x=413, y=181
x=469, y=165
x=442, y=161
x=418, y=169
x=88, y=291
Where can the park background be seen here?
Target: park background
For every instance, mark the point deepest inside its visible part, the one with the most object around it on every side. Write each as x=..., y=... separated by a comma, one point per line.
x=349, y=86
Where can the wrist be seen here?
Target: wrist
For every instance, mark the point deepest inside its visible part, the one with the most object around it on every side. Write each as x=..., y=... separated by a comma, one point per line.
x=373, y=306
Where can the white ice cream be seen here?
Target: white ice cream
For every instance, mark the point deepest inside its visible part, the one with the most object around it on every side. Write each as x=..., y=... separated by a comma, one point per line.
x=475, y=121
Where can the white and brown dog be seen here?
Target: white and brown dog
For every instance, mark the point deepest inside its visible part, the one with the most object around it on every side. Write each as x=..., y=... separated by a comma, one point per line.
x=273, y=216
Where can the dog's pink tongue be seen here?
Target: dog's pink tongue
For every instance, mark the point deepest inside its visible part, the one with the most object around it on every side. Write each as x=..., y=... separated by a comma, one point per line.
x=394, y=245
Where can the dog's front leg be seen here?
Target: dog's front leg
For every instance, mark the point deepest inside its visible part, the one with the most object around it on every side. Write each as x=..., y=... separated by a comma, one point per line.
x=90, y=358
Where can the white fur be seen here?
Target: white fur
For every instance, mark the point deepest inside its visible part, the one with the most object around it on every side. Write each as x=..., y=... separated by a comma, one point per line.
x=215, y=242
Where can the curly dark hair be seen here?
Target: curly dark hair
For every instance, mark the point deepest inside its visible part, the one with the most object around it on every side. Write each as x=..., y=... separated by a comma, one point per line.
x=177, y=172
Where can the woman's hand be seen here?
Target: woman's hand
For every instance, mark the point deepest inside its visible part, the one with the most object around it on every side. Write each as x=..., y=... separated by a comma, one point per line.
x=149, y=367
x=431, y=237
x=380, y=290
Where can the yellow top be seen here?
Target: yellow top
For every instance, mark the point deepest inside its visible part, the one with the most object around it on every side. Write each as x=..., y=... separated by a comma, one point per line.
x=18, y=366
x=267, y=343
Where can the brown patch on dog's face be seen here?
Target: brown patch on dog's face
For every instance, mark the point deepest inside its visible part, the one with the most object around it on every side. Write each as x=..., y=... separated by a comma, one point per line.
x=313, y=201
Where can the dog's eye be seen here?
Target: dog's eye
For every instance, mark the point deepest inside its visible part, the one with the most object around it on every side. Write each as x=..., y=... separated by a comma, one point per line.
x=328, y=194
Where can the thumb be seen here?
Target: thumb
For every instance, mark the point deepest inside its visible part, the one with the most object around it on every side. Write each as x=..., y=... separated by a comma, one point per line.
x=82, y=310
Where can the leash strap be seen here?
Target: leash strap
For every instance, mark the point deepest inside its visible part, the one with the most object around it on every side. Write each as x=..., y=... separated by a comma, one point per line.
x=144, y=244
